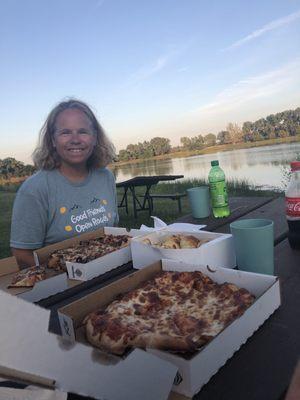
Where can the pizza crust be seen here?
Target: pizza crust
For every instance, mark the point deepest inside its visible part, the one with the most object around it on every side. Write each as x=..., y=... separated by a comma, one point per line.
x=175, y=311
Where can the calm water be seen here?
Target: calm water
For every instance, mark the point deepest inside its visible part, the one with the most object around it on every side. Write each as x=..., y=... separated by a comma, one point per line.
x=261, y=167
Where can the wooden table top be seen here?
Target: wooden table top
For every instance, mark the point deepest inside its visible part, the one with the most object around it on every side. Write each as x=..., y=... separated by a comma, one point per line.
x=147, y=180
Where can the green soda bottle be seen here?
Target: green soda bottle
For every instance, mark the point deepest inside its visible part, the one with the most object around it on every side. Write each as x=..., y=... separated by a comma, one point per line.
x=218, y=191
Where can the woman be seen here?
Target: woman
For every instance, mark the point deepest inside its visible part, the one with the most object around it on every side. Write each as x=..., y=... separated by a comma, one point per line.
x=72, y=192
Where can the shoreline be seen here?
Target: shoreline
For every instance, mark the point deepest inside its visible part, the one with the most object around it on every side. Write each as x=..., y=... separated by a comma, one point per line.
x=210, y=150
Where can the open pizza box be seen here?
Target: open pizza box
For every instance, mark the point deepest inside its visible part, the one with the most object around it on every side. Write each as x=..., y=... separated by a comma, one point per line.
x=196, y=370
x=217, y=252
x=55, y=283
x=99, y=266
x=28, y=352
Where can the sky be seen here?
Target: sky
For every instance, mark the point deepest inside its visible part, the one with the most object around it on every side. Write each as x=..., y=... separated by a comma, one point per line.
x=169, y=68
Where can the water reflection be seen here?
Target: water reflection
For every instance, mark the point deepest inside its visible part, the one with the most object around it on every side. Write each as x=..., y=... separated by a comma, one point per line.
x=261, y=166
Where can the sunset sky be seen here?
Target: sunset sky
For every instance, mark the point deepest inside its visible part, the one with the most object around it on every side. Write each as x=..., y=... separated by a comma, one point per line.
x=168, y=68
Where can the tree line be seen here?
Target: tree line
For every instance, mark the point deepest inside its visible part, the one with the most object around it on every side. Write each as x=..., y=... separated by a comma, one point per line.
x=11, y=168
x=280, y=125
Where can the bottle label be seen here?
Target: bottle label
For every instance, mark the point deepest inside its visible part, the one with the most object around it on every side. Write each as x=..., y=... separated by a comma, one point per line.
x=292, y=206
x=218, y=192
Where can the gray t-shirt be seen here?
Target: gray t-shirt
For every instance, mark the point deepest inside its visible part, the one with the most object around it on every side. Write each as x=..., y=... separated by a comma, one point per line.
x=49, y=208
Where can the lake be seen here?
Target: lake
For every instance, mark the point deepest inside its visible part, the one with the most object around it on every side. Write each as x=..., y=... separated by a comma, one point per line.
x=261, y=167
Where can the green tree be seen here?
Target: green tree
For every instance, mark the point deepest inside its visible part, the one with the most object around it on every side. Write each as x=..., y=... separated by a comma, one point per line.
x=235, y=132
x=210, y=139
x=223, y=137
x=248, y=131
x=160, y=145
x=185, y=142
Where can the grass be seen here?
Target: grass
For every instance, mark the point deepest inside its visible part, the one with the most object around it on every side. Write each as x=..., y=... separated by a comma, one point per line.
x=166, y=209
x=6, y=202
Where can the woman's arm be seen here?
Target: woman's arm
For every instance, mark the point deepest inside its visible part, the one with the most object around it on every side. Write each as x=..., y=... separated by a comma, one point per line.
x=24, y=257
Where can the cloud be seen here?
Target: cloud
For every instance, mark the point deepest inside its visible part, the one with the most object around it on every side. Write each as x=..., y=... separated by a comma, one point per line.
x=277, y=23
x=160, y=63
x=255, y=88
x=156, y=66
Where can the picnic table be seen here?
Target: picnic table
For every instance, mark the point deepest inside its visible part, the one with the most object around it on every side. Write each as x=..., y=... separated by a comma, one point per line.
x=262, y=368
x=143, y=203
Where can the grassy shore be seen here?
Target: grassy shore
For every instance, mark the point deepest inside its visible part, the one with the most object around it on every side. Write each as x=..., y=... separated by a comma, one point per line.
x=166, y=209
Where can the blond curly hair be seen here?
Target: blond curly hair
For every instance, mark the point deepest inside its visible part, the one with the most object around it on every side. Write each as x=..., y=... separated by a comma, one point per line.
x=45, y=155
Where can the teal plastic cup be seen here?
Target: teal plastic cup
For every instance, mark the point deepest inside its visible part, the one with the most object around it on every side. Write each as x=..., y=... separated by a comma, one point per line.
x=199, y=201
x=254, y=245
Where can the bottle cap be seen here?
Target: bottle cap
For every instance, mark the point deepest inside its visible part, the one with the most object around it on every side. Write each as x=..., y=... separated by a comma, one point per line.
x=295, y=165
x=214, y=163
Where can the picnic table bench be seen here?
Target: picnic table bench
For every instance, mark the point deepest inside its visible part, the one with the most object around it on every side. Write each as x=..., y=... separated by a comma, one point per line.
x=262, y=368
x=174, y=196
x=146, y=202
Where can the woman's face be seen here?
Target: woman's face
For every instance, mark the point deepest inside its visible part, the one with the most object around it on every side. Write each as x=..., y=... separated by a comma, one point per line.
x=74, y=138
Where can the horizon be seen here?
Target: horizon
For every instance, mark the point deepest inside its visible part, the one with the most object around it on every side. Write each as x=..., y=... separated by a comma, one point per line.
x=167, y=69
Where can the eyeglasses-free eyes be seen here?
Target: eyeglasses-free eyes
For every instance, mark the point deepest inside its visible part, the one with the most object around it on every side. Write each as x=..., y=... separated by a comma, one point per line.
x=65, y=133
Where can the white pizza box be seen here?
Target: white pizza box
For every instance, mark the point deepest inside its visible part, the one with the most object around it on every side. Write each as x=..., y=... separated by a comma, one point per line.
x=192, y=373
x=218, y=252
x=52, y=285
x=99, y=266
x=196, y=371
x=30, y=353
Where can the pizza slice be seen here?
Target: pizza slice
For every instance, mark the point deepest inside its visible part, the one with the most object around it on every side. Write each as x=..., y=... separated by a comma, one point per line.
x=28, y=277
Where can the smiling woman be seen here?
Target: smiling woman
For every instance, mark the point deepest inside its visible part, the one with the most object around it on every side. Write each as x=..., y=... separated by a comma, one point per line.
x=71, y=186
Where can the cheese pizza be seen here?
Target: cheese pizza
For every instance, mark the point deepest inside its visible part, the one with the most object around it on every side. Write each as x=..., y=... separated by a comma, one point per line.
x=174, y=311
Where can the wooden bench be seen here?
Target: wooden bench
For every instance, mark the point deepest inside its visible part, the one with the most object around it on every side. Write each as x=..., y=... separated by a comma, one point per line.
x=174, y=196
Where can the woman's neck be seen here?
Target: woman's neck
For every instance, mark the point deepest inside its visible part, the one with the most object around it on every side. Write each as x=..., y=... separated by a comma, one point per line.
x=75, y=173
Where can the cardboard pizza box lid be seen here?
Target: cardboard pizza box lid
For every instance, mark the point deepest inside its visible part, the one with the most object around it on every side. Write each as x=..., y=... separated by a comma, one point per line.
x=8, y=265
x=27, y=347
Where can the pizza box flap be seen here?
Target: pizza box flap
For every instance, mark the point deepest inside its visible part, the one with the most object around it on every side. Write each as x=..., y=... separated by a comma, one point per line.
x=8, y=265
x=54, y=283
x=28, y=347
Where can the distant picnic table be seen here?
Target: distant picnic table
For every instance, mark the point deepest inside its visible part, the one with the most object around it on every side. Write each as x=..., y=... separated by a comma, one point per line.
x=145, y=201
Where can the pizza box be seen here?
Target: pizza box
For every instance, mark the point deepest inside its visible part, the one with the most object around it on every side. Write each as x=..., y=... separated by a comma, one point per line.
x=55, y=283
x=99, y=266
x=194, y=372
x=32, y=354
x=218, y=252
